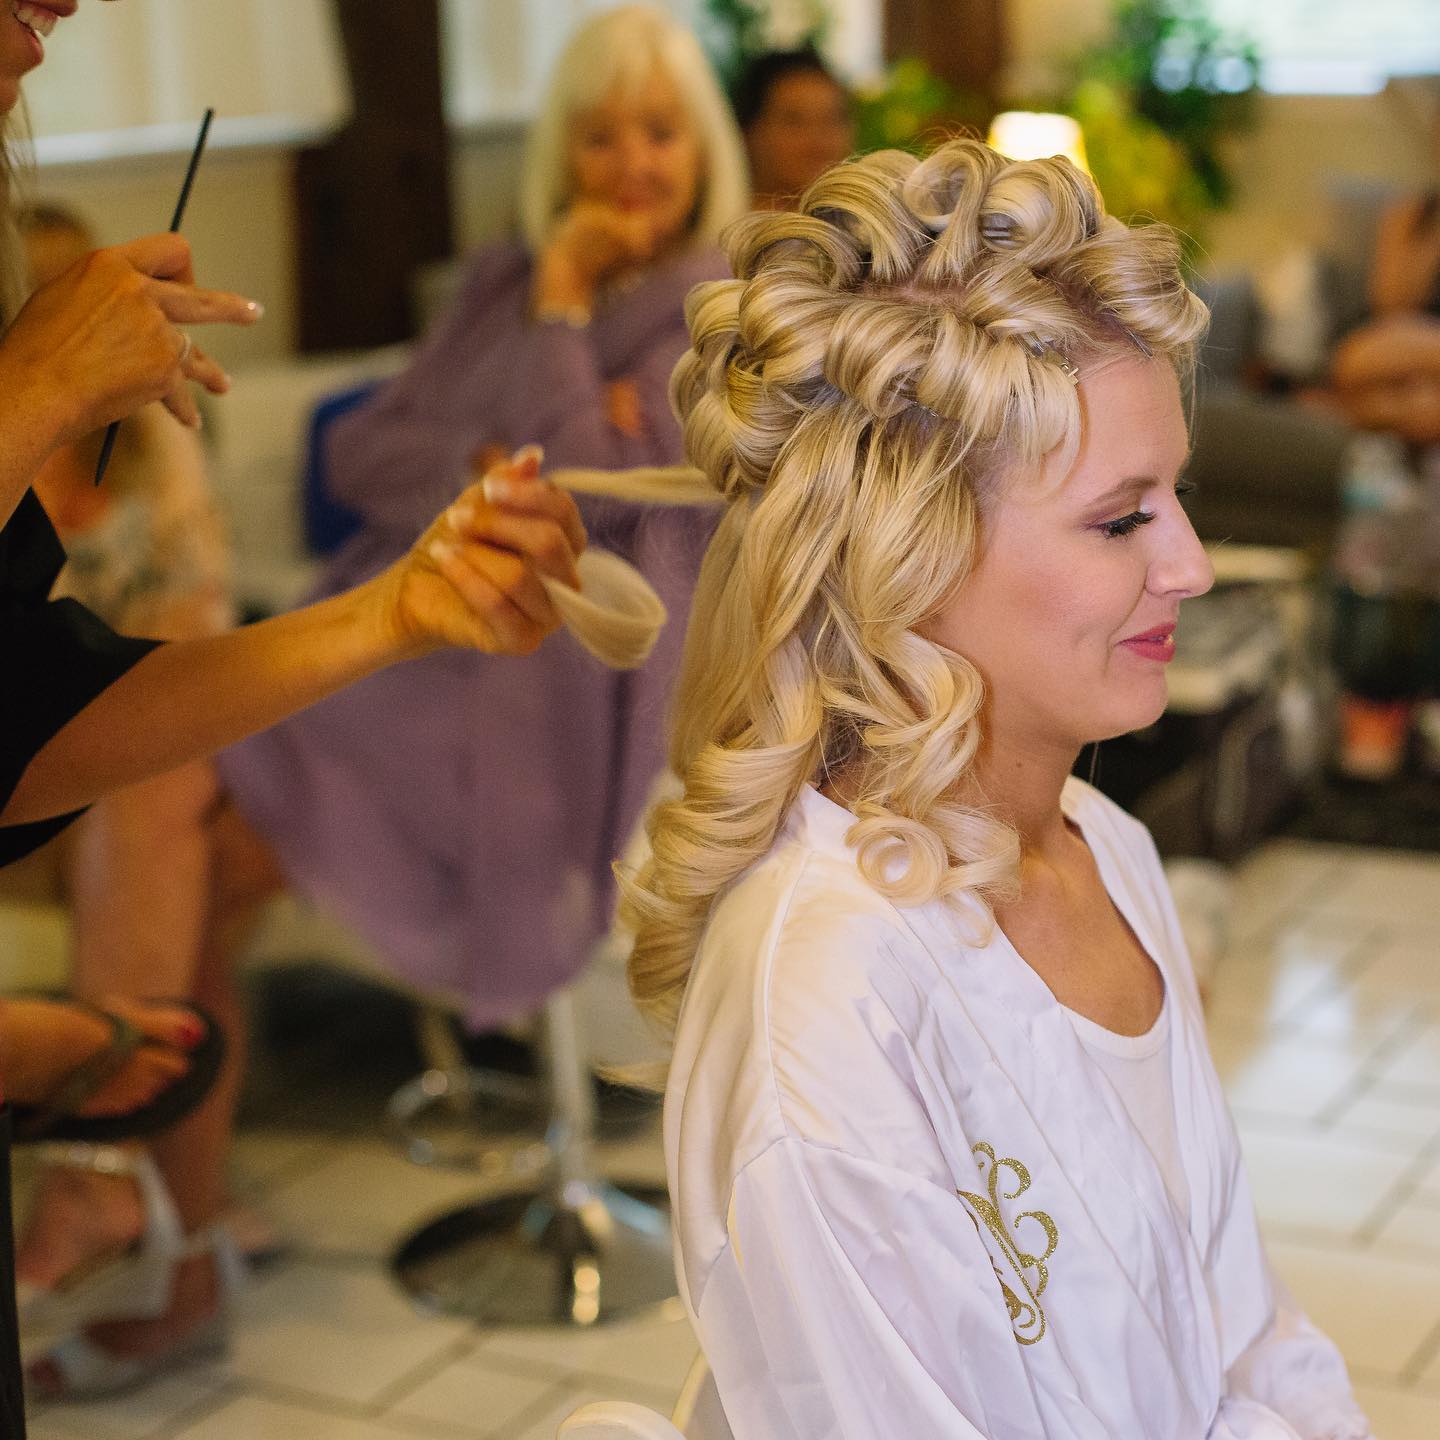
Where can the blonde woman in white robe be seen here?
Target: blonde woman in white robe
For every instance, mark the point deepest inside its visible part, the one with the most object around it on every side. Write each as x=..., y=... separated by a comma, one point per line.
x=947, y=1151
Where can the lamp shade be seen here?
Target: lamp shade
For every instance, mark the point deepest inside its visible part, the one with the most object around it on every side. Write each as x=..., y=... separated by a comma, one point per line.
x=1030, y=135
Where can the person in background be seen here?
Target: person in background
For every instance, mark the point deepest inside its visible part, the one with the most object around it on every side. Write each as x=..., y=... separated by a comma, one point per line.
x=1386, y=373
x=147, y=553
x=147, y=550
x=455, y=816
x=1405, y=277
x=797, y=119
x=1385, y=378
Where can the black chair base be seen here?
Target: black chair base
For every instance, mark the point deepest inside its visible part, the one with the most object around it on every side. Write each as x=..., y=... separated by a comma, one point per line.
x=574, y=1255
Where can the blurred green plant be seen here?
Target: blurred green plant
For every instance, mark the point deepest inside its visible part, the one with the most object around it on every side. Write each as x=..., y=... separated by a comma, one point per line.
x=1160, y=100
x=912, y=107
x=1142, y=172
x=1186, y=74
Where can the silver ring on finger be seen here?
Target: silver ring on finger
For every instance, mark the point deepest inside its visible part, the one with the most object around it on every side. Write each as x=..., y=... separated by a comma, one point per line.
x=187, y=348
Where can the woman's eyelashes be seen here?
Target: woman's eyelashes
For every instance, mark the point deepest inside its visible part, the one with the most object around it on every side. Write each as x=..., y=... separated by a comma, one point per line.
x=1129, y=524
x=1126, y=525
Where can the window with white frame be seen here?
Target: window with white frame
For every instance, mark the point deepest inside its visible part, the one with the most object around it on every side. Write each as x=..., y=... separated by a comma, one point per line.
x=139, y=76
x=1337, y=46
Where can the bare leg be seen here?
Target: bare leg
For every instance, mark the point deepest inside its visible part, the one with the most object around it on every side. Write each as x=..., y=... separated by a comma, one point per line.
x=138, y=876
x=192, y=1156
x=140, y=880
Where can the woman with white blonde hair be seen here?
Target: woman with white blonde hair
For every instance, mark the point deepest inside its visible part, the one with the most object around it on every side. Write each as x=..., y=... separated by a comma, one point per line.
x=947, y=1153
x=623, y=50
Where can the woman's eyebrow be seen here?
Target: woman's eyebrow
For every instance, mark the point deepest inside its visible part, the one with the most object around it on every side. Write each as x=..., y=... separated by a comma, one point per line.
x=1127, y=488
x=1134, y=484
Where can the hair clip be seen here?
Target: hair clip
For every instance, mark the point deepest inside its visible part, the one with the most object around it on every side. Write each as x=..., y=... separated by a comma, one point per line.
x=1044, y=350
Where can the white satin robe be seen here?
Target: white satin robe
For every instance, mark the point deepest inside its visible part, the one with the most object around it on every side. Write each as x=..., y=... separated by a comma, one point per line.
x=909, y=1206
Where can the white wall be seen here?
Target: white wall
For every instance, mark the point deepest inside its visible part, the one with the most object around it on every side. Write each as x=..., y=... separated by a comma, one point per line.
x=239, y=222
x=485, y=173
x=1300, y=146
x=152, y=62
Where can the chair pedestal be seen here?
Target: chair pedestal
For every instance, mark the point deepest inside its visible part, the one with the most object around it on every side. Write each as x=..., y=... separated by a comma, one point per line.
x=576, y=1250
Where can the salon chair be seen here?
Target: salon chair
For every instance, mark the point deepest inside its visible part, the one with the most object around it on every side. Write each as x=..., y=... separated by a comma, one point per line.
x=576, y=1247
x=548, y=1239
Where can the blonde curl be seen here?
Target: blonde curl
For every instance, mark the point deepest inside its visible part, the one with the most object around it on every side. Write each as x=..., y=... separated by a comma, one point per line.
x=883, y=360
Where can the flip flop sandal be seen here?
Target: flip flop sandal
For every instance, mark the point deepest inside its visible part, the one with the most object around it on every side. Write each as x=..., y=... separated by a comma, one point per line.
x=56, y=1119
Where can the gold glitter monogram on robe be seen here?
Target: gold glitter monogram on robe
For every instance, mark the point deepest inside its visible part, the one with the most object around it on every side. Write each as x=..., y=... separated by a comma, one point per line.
x=1022, y=1276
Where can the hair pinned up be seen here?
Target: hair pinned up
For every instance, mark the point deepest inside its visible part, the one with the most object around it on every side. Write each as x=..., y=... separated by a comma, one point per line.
x=884, y=359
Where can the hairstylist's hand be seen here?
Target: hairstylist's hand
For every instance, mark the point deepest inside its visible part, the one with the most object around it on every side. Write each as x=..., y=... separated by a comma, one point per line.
x=473, y=579
x=590, y=241
x=104, y=338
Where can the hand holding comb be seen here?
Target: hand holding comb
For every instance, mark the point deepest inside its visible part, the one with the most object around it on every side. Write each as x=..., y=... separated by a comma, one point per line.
x=113, y=430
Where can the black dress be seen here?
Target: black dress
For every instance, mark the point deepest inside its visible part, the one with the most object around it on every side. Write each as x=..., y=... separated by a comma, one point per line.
x=55, y=657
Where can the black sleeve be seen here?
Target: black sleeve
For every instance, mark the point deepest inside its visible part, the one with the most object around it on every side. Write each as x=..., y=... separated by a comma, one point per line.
x=55, y=658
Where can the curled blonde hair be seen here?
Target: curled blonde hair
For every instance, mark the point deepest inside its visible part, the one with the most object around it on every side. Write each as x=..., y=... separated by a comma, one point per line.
x=883, y=360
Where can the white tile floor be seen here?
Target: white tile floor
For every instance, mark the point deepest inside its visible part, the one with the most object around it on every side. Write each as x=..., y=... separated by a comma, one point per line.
x=1326, y=1026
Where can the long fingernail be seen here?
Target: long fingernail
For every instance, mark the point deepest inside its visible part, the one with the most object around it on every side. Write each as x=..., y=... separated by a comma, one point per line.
x=495, y=489
x=442, y=550
x=461, y=514
x=530, y=452
x=256, y=309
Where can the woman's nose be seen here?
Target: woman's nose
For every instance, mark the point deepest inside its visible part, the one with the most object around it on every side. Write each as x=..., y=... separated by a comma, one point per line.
x=1182, y=567
x=639, y=156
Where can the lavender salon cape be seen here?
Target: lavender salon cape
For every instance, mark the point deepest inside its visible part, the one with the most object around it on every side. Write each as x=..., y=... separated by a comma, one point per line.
x=462, y=811
x=908, y=1202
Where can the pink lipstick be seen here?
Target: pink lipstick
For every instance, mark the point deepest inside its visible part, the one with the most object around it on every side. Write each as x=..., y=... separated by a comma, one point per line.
x=1157, y=644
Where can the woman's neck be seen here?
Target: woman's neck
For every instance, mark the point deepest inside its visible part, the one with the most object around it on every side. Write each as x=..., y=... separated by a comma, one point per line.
x=1020, y=783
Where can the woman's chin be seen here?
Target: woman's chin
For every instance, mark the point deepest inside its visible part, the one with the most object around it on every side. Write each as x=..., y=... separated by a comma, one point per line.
x=1144, y=712
x=1149, y=713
